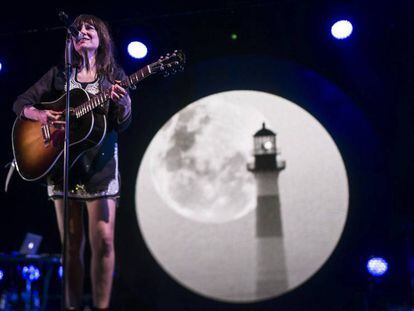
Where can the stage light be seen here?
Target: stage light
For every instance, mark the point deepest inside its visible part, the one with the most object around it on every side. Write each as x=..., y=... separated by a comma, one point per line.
x=137, y=49
x=234, y=36
x=341, y=29
x=377, y=266
x=1, y=275
x=60, y=272
x=30, y=273
x=1, y=66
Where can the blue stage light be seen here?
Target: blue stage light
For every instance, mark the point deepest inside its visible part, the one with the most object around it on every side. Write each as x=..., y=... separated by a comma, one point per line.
x=341, y=29
x=60, y=272
x=137, y=49
x=1, y=66
x=1, y=275
x=30, y=273
x=377, y=266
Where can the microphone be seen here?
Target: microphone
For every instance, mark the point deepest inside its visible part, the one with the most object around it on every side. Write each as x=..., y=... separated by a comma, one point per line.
x=70, y=27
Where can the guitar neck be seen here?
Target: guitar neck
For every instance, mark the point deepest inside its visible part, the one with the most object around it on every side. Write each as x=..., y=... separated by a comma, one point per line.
x=137, y=77
x=99, y=99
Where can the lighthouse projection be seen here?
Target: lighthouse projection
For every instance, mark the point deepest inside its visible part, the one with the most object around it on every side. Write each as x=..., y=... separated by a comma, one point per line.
x=271, y=270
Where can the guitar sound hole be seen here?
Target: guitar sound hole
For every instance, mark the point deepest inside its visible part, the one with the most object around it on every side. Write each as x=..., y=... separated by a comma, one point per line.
x=57, y=138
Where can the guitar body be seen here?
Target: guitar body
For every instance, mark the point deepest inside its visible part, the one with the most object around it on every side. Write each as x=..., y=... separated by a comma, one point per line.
x=37, y=148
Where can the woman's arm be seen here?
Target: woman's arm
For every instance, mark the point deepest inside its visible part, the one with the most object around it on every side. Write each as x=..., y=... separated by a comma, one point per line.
x=122, y=101
x=34, y=94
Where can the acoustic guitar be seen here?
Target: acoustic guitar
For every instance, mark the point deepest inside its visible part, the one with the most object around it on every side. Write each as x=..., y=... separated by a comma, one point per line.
x=38, y=147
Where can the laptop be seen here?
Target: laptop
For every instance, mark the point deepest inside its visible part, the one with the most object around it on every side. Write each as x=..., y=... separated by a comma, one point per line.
x=30, y=244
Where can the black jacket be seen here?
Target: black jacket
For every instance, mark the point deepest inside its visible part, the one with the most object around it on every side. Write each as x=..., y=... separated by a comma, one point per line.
x=98, y=166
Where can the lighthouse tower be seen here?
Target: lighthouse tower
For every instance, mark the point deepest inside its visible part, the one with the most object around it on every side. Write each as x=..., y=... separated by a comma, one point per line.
x=270, y=264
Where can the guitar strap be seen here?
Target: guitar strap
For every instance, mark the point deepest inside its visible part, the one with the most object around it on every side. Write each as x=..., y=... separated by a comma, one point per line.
x=12, y=165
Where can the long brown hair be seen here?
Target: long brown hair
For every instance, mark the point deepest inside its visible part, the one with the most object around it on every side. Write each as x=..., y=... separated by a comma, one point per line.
x=105, y=60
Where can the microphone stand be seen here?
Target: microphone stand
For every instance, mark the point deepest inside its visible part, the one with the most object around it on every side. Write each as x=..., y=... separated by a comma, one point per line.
x=68, y=64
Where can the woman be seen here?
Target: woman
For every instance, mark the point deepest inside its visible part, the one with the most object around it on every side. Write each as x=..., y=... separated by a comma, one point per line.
x=94, y=179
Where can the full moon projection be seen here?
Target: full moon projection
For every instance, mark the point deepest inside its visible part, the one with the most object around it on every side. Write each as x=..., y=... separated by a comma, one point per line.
x=200, y=158
x=197, y=201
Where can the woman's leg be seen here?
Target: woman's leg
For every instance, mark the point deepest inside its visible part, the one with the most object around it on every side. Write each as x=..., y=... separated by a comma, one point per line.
x=101, y=214
x=75, y=250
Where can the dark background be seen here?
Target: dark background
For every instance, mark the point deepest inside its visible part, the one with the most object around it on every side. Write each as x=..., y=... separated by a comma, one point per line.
x=359, y=89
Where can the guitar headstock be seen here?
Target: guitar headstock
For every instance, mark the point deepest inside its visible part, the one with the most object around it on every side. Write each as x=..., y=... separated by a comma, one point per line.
x=170, y=63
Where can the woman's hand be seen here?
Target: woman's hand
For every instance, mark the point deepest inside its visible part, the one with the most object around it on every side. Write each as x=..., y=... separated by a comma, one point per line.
x=43, y=116
x=117, y=92
x=120, y=96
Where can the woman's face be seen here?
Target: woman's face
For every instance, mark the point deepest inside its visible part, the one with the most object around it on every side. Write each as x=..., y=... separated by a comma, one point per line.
x=90, y=40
